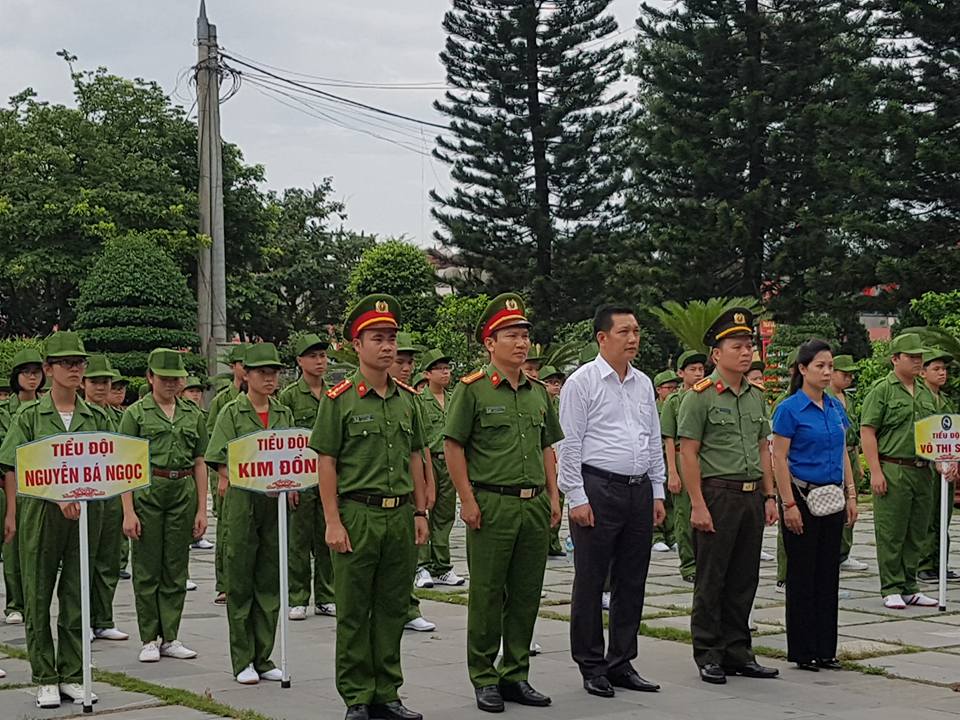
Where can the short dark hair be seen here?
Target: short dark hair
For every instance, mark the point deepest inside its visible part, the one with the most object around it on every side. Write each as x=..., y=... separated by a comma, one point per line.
x=805, y=355
x=603, y=318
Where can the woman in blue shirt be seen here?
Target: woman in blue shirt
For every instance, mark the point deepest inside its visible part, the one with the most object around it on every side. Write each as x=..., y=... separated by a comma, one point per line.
x=809, y=452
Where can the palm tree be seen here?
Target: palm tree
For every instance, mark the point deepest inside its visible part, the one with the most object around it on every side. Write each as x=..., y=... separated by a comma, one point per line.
x=690, y=322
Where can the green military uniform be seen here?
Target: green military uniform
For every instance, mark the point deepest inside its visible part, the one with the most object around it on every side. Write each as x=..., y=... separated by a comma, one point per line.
x=8, y=553
x=781, y=550
x=49, y=542
x=902, y=515
x=845, y=363
x=251, y=556
x=504, y=433
x=666, y=532
x=682, y=530
x=435, y=554
x=166, y=508
x=556, y=547
x=372, y=439
x=307, y=525
x=729, y=426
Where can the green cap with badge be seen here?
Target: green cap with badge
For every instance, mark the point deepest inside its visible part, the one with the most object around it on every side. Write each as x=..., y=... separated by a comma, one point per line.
x=405, y=343
x=63, y=343
x=934, y=354
x=98, y=366
x=262, y=355
x=164, y=362
x=735, y=322
x=372, y=311
x=505, y=310
x=844, y=363
x=432, y=357
x=667, y=376
x=310, y=341
x=193, y=382
x=549, y=371
x=907, y=344
x=691, y=357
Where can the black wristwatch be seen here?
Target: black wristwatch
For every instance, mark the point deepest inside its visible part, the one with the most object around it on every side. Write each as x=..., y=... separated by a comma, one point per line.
x=769, y=497
x=420, y=513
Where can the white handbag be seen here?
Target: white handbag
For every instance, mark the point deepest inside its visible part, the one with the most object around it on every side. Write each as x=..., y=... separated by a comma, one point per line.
x=826, y=500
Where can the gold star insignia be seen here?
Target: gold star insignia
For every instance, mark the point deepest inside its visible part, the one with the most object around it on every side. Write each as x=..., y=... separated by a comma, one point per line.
x=739, y=318
x=512, y=304
x=382, y=306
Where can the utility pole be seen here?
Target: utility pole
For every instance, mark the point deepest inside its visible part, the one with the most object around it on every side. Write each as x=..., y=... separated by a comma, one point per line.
x=211, y=271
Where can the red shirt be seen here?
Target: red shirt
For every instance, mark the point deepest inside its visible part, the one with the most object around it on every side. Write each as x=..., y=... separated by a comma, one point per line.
x=265, y=418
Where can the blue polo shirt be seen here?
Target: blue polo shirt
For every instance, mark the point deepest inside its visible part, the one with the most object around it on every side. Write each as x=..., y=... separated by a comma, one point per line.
x=817, y=437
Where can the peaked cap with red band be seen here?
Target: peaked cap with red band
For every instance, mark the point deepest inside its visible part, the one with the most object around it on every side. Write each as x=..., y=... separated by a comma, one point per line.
x=506, y=310
x=372, y=311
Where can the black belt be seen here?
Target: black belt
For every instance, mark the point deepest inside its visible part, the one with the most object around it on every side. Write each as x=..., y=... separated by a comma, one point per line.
x=524, y=493
x=917, y=463
x=748, y=486
x=615, y=477
x=172, y=474
x=381, y=501
x=804, y=485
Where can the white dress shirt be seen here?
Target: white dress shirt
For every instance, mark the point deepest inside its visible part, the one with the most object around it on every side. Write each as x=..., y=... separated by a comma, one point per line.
x=611, y=425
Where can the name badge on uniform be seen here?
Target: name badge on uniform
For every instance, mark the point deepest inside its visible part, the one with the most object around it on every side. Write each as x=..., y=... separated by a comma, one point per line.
x=723, y=410
x=361, y=418
x=495, y=409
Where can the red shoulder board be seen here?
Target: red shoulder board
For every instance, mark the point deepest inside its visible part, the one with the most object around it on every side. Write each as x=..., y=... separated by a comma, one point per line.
x=702, y=385
x=472, y=377
x=339, y=389
x=406, y=387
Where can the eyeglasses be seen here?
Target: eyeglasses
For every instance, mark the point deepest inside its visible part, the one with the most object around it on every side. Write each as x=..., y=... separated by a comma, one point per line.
x=70, y=363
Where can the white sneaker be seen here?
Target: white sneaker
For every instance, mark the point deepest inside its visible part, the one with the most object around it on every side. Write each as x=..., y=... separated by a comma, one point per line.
x=852, y=564
x=202, y=544
x=150, y=652
x=248, y=676
x=16, y=618
x=176, y=649
x=298, y=612
x=3, y=673
x=535, y=648
x=675, y=547
x=767, y=557
x=328, y=609
x=191, y=585
x=894, y=602
x=420, y=624
x=920, y=600
x=275, y=675
x=48, y=696
x=660, y=547
x=423, y=579
x=74, y=691
x=110, y=634
x=449, y=578
x=781, y=586
x=605, y=601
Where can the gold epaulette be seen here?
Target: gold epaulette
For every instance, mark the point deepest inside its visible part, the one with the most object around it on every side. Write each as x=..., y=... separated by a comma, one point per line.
x=702, y=385
x=339, y=389
x=406, y=387
x=472, y=377
x=758, y=385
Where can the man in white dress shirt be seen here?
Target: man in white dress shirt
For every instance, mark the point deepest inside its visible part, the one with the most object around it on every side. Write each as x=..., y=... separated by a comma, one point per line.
x=612, y=471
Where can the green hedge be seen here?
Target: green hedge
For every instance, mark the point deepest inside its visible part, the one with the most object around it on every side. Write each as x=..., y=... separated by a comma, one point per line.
x=158, y=317
x=133, y=364
x=126, y=338
x=10, y=347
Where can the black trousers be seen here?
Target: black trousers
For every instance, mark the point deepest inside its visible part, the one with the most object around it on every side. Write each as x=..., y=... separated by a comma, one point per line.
x=813, y=581
x=618, y=544
x=728, y=571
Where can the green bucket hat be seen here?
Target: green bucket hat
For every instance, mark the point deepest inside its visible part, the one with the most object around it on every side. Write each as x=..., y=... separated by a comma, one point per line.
x=667, y=376
x=164, y=362
x=844, y=363
x=432, y=357
x=98, y=366
x=373, y=310
x=309, y=342
x=193, y=382
x=26, y=356
x=119, y=380
x=236, y=353
x=417, y=379
x=588, y=352
x=907, y=344
x=63, y=343
x=691, y=357
x=549, y=371
x=262, y=355
x=933, y=354
x=405, y=343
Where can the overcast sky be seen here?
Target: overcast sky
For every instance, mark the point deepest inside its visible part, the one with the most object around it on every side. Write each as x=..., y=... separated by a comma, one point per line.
x=368, y=41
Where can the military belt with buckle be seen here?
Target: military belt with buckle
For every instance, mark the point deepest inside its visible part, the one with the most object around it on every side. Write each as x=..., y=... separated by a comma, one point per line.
x=386, y=502
x=912, y=462
x=615, y=477
x=172, y=474
x=742, y=486
x=524, y=493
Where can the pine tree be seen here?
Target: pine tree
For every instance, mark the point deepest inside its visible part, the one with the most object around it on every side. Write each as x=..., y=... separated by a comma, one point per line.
x=535, y=148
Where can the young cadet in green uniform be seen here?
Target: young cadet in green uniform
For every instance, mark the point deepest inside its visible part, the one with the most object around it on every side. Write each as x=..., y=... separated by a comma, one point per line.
x=725, y=461
x=369, y=437
x=163, y=518
x=307, y=528
x=935, y=377
x=665, y=383
x=500, y=429
x=26, y=378
x=105, y=566
x=193, y=391
x=552, y=380
x=664, y=536
x=419, y=382
x=434, y=561
x=251, y=556
x=902, y=491
x=49, y=533
x=117, y=399
x=690, y=368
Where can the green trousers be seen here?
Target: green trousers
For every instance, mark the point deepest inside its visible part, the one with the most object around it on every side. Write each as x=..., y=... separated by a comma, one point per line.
x=665, y=533
x=556, y=545
x=308, y=540
x=251, y=563
x=370, y=585
x=162, y=555
x=683, y=534
x=901, y=523
x=124, y=552
x=930, y=559
x=105, y=569
x=50, y=547
x=435, y=554
x=219, y=549
x=12, y=580
x=506, y=558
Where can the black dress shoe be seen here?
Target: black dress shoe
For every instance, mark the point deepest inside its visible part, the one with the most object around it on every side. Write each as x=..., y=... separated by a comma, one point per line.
x=394, y=710
x=521, y=692
x=754, y=669
x=713, y=673
x=599, y=686
x=631, y=680
x=830, y=664
x=690, y=578
x=811, y=666
x=124, y=575
x=357, y=712
x=489, y=699
x=928, y=576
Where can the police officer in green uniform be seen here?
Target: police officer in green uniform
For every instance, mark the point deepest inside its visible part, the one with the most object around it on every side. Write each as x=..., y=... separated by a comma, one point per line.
x=162, y=519
x=307, y=528
x=434, y=561
x=725, y=463
x=552, y=380
x=500, y=427
x=690, y=368
x=49, y=533
x=902, y=490
x=251, y=556
x=369, y=435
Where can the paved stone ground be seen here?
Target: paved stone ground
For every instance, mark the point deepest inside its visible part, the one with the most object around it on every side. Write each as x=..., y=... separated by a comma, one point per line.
x=919, y=650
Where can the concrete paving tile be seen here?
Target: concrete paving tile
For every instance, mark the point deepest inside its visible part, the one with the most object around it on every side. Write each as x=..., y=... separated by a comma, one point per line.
x=935, y=667
x=20, y=704
x=907, y=632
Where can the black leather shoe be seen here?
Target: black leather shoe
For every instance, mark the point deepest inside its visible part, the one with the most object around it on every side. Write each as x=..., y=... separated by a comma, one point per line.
x=489, y=699
x=393, y=711
x=830, y=664
x=599, y=686
x=809, y=666
x=631, y=680
x=522, y=693
x=357, y=712
x=690, y=579
x=124, y=575
x=754, y=669
x=928, y=576
x=713, y=673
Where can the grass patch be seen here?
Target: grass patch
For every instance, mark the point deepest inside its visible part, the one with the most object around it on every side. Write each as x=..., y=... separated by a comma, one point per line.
x=440, y=596
x=16, y=686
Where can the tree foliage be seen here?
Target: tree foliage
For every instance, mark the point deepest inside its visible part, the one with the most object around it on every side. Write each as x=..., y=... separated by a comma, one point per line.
x=453, y=331
x=397, y=268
